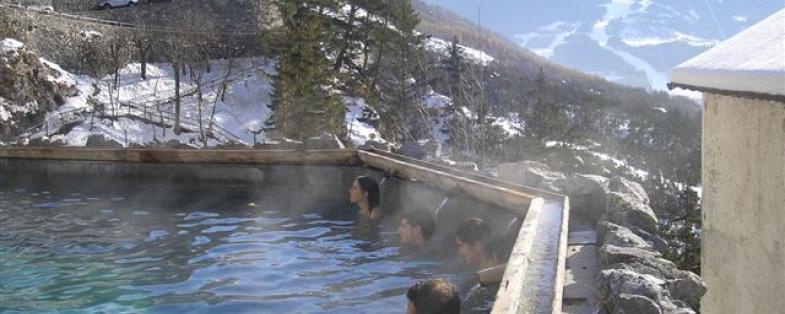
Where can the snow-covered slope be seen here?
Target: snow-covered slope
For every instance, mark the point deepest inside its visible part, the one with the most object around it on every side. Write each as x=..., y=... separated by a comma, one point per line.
x=141, y=111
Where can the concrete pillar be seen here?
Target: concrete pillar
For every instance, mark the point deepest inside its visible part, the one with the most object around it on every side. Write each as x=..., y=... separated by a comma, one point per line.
x=743, y=257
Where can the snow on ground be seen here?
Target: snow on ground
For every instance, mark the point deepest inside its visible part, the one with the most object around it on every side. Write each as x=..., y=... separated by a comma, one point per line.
x=677, y=37
x=660, y=109
x=141, y=107
x=10, y=47
x=359, y=131
x=558, y=31
x=511, y=124
x=442, y=47
x=4, y=114
x=141, y=111
x=434, y=100
x=603, y=156
x=439, y=107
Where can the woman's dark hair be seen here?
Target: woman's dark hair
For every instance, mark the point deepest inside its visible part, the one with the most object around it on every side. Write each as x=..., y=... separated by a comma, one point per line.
x=474, y=230
x=368, y=184
x=434, y=296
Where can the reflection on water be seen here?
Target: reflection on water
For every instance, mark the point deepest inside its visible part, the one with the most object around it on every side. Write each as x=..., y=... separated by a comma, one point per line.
x=97, y=251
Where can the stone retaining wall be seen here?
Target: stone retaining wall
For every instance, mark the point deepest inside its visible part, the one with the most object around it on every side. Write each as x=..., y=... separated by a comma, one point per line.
x=633, y=277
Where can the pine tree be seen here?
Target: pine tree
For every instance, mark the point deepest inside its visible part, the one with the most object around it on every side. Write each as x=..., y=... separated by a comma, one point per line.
x=401, y=71
x=455, y=67
x=303, y=100
x=545, y=118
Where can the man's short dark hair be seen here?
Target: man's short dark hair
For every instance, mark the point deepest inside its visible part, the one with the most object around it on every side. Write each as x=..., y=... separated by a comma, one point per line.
x=475, y=230
x=422, y=219
x=434, y=296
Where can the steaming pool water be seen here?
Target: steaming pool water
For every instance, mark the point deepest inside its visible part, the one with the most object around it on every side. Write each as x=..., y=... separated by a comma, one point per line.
x=191, y=248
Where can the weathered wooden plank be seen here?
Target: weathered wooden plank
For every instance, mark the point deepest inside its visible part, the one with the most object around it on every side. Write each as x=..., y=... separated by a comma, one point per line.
x=260, y=157
x=470, y=175
x=508, y=298
x=505, y=197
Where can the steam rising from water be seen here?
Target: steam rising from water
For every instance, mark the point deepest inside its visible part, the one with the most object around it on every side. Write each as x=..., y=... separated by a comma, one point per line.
x=192, y=247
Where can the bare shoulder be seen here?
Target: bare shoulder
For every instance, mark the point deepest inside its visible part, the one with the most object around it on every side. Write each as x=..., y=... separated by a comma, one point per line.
x=377, y=214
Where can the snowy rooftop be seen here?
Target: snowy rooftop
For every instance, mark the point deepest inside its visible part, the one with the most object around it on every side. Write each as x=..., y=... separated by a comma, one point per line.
x=753, y=61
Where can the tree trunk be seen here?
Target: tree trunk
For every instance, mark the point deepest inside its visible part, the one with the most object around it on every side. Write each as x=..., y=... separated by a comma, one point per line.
x=347, y=39
x=176, y=68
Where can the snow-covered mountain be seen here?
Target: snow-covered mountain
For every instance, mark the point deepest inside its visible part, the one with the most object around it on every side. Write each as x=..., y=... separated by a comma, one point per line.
x=632, y=42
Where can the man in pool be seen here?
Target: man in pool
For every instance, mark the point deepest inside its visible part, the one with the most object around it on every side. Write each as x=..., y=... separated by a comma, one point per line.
x=415, y=229
x=477, y=244
x=364, y=193
x=433, y=296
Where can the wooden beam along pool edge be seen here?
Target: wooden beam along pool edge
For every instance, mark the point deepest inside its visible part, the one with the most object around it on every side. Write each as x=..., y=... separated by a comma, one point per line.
x=558, y=292
x=508, y=297
x=508, y=198
x=264, y=157
x=469, y=175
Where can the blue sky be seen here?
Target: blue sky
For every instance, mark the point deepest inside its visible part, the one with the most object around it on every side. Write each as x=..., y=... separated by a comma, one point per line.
x=514, y=17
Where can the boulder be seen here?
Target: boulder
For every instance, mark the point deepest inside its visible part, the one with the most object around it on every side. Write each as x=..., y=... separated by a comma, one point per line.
x=101, y=141
x=612, y=283
x=587, y=195
x=658, y=243
x=533, y=174
x=623, y=186
x=612, y=234
x=684, y=288
x=629, y=210
x=579, y=184
x=624, y=290
x=420, y=150
x=377, y=145
x=635, y=304
x=611, y=254
x=687, y=287
x=658, y=267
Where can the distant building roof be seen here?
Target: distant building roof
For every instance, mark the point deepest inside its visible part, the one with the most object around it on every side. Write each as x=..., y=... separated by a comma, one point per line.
x=752, y=63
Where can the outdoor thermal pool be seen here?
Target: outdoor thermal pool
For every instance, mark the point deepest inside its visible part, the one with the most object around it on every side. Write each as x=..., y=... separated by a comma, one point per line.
x=115, y=237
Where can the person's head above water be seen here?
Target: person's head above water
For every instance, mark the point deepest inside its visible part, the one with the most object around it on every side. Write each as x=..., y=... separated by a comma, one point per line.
x=364, y=193
x=433, y=296
x=416, y=227
x=476, y=243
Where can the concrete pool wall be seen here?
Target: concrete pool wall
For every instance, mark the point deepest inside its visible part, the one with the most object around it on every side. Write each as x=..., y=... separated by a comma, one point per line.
x=533, y=279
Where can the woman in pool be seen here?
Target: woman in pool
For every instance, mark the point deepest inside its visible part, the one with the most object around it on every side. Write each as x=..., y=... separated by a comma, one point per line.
x=364, y=193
